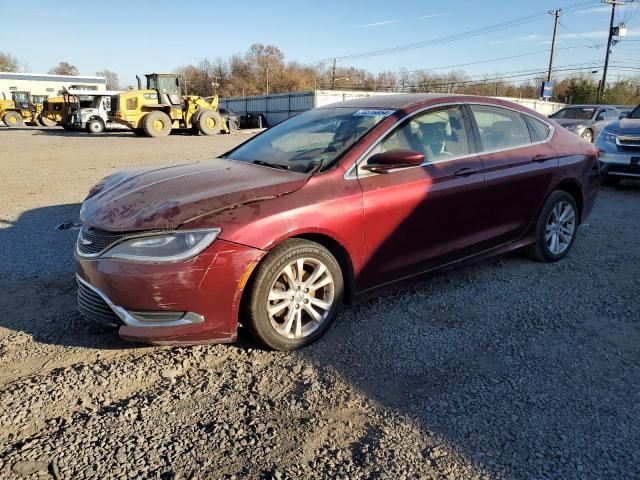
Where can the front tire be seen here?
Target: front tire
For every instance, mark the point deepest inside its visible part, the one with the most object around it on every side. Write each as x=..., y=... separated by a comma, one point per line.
x=209, y=122
x=95, y=125
x=13, y=120
x=556, y=229
x=295, y=295
x=157, y=124
x=587, y=135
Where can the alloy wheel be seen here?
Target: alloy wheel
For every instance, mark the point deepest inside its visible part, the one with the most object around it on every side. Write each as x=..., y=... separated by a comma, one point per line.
x=300, y=298
x=561, y=227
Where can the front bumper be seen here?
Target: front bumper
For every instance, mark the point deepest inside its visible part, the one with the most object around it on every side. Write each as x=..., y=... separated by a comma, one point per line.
x=196, y=301
x=620, y=164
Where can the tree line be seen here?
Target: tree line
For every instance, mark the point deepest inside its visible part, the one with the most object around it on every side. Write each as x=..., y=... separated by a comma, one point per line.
x=263, y=69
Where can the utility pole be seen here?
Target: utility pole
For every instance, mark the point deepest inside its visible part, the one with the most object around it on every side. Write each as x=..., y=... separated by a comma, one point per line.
x=267, y=79
x=556, y=16
x=333, y=75
x=603, y=83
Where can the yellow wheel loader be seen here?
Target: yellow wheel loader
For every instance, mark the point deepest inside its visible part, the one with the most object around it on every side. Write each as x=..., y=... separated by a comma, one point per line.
x=161, y=108
x=19, y=110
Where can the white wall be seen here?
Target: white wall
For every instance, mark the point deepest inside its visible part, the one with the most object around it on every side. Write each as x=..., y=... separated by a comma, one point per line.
x=45, y=84
x=280, y=106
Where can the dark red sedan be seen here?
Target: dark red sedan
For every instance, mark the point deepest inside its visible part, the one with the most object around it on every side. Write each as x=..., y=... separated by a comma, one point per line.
x=323, y=208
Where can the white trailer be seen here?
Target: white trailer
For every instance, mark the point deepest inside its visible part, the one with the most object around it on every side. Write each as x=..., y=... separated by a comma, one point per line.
x=280, y=106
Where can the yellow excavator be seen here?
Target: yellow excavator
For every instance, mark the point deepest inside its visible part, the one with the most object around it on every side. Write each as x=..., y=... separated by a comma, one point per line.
x=161, y=108
x=21, y=109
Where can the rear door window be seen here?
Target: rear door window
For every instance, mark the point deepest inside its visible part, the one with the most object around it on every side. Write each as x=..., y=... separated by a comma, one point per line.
x=499, y=128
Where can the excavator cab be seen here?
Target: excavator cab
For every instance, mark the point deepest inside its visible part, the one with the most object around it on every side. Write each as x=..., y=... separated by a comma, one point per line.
x=22, y=100
x=168, y=86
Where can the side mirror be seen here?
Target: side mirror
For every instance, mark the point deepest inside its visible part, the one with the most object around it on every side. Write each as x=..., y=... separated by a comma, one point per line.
x=623, y=116
x=394, y=159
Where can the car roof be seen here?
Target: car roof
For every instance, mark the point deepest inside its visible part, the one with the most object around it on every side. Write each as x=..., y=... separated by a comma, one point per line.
x=398, y=101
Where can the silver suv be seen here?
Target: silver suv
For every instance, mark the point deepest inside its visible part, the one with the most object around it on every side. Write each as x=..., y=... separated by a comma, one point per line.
x=619, y=145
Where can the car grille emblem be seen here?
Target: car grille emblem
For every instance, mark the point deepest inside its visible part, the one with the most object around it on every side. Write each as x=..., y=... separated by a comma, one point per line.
x=85, y=241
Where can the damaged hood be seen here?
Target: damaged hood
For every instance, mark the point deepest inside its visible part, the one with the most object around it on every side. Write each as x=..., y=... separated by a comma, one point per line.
x=166, y=197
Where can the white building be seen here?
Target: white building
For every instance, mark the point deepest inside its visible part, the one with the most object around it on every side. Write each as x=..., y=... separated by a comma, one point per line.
x=45, y=83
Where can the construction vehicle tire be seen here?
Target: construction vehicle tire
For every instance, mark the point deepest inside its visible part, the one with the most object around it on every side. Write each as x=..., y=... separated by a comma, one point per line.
x=209, y=122
x=13, y=119
x=46, y=122
x=157, y=124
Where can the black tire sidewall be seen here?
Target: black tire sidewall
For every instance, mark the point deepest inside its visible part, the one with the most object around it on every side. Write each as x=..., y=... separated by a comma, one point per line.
x=608, y=181
x=265, y=275
x=542, y=250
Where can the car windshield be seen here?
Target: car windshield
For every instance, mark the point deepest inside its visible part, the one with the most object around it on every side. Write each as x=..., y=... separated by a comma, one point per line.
x=635, y=113
x=575, y=113
x=310, y=141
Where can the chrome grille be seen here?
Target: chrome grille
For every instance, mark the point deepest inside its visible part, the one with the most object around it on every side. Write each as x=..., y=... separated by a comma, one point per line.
x=629, y=143
x=92, y=306
x=93, y=241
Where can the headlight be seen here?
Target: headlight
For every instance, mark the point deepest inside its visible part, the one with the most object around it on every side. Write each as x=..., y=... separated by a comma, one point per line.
x=575, y=127
x=163, y=248
x=608, y=137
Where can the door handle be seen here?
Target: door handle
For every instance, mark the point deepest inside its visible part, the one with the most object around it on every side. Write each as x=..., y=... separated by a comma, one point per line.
x=541, y=158
x=465, y=172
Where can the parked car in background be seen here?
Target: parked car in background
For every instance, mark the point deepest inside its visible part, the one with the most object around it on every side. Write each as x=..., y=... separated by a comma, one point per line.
x=619, y=145
x=233, y=119
x=624, y=110
x=586, y=121
x=330, y=205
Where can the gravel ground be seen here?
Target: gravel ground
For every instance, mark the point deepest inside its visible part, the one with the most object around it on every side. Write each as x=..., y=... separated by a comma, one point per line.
x=507, y=369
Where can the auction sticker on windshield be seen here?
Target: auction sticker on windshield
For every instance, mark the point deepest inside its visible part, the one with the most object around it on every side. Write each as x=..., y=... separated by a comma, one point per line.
x=373, y=113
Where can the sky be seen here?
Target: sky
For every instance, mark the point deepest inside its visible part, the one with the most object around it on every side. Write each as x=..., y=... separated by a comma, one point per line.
x=127, y=36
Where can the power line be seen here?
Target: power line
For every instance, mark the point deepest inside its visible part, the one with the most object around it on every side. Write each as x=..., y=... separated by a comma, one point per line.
x=469, y=34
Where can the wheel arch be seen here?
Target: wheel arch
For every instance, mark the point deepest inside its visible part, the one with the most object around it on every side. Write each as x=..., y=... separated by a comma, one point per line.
x=336, y=249
x=340, y=253
x=573, y=188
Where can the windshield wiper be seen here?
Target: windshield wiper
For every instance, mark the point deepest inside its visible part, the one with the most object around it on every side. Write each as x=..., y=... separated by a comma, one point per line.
x=272, y=165
x=317, y=167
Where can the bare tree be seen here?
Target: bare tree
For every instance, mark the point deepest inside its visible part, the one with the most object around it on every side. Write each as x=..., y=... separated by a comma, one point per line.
x=112, y=79
x=64, y=68
x=8, y=63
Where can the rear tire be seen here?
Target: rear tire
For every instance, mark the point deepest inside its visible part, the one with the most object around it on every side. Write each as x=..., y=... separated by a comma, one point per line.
x=284, y=310
x=157, y=124
x=608, y=181
x=209, y=122
x=13, y=120
x=95, y=125
x=556, y=229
